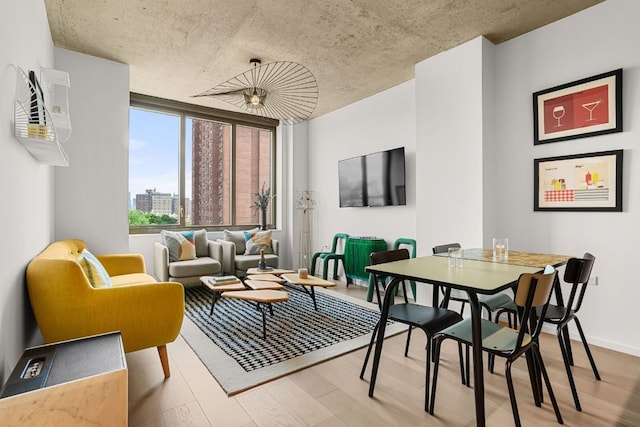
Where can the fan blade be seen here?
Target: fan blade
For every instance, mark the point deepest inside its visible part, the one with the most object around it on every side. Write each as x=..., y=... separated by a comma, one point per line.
x=229, y=92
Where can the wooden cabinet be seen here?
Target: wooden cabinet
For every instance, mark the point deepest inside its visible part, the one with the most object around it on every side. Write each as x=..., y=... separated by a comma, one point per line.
x=79, y=382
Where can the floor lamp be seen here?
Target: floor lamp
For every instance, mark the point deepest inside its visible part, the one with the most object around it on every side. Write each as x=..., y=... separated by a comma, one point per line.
x=305, y=203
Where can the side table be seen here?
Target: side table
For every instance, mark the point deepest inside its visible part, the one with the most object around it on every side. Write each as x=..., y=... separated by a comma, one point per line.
x=356, y=255
x=77, y=382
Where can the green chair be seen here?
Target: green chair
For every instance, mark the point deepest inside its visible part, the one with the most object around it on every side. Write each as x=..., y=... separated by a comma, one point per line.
x=401, y=241
x=332, y=255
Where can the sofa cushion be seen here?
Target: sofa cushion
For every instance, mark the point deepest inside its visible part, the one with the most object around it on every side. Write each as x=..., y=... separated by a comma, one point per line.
x=201, y=266
x=238, y=238
x=181, y=245
x=93, y=268
x=245, y=262
x=132, y=279
x=257, y=241
x=201, y=239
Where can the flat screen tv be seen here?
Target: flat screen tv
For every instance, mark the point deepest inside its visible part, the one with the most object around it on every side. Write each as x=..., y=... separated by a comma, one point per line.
x=376, y=179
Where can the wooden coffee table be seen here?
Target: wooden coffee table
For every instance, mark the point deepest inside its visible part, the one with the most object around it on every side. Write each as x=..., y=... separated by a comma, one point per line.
x=217, y=290
x=258, y=285
x=307, y=285
x=262, y=300
x=270, y=277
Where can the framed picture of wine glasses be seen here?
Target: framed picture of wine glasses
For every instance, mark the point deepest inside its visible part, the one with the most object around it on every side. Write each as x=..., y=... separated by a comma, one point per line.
x=587, y=107
x=579, y=182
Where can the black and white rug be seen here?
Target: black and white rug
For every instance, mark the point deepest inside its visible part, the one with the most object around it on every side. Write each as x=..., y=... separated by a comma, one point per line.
x=230, y=342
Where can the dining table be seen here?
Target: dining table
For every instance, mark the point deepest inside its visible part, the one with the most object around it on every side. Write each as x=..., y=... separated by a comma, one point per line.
x=481, y=273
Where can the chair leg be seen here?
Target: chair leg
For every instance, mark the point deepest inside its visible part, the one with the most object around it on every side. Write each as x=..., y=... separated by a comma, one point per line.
x=512, y=393
x=567, y=343
x=434, y=380
x=427, y=374
x=467, y=365
x=164, y=360
x=556, y=409
x=587, y=350
x=463, y=379
x=325, y=269
x=567, y=366
x=492, y=357
x=533, y=378
x=366, y=358
x=406, y=346
x=370, y=288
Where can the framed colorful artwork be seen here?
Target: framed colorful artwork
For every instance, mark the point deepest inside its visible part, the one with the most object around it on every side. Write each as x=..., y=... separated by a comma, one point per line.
x=580, y=182
x=587, y=107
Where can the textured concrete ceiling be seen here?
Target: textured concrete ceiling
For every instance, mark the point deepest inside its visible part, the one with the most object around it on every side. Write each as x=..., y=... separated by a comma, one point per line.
x=355, y=48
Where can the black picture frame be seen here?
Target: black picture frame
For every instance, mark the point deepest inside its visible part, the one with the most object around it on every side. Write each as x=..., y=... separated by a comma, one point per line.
x=582, y=108
x=590, y=182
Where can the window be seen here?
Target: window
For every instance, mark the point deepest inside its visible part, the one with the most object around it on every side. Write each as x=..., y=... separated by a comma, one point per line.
x=190, y=166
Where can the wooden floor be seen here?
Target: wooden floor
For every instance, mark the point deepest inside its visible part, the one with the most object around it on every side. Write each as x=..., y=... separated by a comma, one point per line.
x=331, y=393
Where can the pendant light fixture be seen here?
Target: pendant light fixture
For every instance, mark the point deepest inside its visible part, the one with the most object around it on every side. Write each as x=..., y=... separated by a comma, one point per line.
x=282, y=90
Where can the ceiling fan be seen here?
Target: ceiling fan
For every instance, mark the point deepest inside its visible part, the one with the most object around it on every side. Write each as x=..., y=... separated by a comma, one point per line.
x=282, y=90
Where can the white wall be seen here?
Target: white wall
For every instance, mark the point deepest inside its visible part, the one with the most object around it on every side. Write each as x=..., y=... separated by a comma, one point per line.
x=449, y=132
x=91, y=194
x=599, y=39
x=25, y=184
x=383, y=121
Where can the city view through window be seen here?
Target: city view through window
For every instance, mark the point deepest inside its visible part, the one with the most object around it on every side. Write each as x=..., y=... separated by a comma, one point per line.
x=219, y=188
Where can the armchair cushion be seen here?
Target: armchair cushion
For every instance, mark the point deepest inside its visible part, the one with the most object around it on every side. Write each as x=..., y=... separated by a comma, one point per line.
x=239, y=239
x=188, y=272
x=181, y=245
x=203, y=266
x=238, y=264
x=258, y=240
x=200, y=237
x=96, y=273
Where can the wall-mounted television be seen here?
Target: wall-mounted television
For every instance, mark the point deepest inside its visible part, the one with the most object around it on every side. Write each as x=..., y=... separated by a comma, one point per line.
x=376, y=179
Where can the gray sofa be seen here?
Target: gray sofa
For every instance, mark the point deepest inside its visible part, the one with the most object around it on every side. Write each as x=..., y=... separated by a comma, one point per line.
x=208, y=262
x=234, y=260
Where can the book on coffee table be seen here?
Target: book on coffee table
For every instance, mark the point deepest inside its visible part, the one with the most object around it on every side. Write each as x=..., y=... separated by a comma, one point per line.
x=223, y=280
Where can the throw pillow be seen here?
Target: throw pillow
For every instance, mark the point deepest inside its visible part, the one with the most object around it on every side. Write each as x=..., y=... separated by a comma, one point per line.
x=239, y=239
x=181, y=245
x=95, y=271
x=259, y=240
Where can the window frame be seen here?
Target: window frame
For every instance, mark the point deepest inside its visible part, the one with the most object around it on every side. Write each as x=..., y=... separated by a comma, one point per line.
x=234, y=119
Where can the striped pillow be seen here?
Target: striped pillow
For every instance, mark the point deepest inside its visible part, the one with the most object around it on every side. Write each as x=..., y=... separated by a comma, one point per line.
x=95, y=271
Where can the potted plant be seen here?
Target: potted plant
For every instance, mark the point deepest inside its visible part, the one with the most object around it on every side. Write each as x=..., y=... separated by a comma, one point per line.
x=261, y=203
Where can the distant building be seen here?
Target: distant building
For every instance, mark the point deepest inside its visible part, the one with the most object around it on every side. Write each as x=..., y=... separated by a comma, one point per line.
x=211, y=174
x=211, y=148
x=157, y=203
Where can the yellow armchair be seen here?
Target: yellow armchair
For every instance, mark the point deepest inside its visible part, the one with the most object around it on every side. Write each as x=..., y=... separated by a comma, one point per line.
x=67, y=306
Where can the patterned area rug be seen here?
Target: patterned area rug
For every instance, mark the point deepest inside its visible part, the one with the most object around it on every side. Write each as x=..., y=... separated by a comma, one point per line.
x=230, y=342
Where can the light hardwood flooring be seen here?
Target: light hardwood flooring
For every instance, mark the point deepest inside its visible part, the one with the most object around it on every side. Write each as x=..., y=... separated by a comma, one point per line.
x=331, y=393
